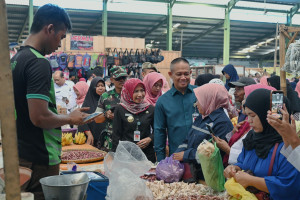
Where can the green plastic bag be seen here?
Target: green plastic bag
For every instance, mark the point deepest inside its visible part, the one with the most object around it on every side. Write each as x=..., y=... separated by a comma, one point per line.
x=212, y=168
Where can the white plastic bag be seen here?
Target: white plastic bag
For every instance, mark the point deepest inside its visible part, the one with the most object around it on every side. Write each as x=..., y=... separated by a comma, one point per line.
x=292, y=59
x=124, y=168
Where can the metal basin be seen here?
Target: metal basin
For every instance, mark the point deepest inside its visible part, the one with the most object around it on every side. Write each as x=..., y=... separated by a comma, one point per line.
x=65, y=187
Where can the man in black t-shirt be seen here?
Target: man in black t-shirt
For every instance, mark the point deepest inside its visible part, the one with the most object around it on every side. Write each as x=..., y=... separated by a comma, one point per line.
x=38, y=125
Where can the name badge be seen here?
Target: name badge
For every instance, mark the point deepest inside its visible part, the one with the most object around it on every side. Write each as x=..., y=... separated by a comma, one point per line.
x=195, y=115
x=137, y=136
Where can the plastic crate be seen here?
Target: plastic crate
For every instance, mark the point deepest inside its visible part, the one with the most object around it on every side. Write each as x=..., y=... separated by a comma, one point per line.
x=97, y=187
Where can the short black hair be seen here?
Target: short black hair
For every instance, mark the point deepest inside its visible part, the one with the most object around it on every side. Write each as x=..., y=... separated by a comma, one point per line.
x=61, y=74
x=50, y=14
x=89, y=74
x=98, y=71
x=178, y=60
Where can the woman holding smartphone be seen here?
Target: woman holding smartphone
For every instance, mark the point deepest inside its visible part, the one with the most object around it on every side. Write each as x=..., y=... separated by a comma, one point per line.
x=262, y=145
x=92, y=129
x=133, y=119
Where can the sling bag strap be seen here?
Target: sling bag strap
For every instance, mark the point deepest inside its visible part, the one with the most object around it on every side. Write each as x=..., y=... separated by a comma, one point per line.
x=272, y=159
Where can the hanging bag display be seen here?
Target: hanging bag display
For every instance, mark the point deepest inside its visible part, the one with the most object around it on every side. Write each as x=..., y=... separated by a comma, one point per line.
x=110, y=58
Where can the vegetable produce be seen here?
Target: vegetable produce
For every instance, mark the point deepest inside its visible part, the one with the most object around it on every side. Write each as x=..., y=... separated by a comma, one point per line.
x=183, y=191
x=66, y=139
x=80, y=138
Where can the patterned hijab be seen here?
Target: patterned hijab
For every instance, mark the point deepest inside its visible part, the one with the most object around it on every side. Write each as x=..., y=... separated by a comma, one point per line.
x=149, y=82
x=127, y=97
x=211, y=97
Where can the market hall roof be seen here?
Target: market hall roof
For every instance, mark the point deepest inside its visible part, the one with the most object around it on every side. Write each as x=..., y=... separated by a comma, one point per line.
x=202, y=37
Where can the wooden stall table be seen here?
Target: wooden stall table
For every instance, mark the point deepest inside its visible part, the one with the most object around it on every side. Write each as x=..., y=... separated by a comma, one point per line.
x=93, y=166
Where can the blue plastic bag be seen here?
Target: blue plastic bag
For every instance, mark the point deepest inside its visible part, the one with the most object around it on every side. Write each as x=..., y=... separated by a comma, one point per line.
x=169, y=170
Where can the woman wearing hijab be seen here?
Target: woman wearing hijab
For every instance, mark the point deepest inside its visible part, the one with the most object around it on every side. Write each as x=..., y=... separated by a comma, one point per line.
x=134, y=117
x=153, y=83
x=280, y=179
x=235, y=145
x=93, y=129
x=211, y=99
x=293, y=97
x=81, y=88
x=203, y=79
x=230, y=74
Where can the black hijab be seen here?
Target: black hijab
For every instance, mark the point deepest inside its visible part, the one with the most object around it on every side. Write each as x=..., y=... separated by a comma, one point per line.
x=292, y=95
x=259, y=102
x=203, y=79
x=91, y=100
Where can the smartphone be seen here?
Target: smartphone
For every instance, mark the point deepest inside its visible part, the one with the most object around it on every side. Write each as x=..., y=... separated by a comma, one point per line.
x=209, y=129
x=276, y=103
x=92, y=116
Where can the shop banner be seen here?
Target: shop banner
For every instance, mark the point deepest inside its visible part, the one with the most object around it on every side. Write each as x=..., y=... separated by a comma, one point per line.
x=81, y=42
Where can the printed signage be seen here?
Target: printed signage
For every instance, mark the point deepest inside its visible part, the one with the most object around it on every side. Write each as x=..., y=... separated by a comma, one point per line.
x=81, y=42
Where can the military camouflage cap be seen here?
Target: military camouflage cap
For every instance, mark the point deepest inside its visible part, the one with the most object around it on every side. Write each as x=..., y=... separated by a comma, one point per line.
x=117, y=71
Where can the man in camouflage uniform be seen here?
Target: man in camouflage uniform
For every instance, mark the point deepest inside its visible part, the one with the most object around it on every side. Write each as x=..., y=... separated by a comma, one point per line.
x=109, y=100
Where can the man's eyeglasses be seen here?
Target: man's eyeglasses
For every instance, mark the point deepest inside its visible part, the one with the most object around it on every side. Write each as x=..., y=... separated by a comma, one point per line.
x=121, y=78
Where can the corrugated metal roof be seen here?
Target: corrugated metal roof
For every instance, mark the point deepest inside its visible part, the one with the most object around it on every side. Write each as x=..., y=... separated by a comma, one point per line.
x=153, y=28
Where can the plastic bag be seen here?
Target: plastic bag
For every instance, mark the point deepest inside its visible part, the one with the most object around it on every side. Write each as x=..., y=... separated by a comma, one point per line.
x=169, y=170
x=292, y=59
x=238, y=191
x=212, y=168
x=124, y=168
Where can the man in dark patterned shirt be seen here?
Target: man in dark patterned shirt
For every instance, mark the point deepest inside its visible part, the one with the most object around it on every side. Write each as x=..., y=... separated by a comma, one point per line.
x=109, y=100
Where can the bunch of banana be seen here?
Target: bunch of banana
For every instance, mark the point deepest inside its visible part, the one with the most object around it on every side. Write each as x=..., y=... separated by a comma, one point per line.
x=66, y=139
x=234, y=121
x=80, y=138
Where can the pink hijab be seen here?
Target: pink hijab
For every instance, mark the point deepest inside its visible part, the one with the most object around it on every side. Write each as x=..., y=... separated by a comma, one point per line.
x=211, y=97
x=263, y=80
x=250, y=88
x=127, y=97
x=298, y=88
x=149, y=81
x=166, y=86
x=82, y=88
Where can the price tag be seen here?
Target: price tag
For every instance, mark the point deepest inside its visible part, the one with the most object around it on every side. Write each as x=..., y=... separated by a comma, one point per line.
x=195, y=115
x=137, y=136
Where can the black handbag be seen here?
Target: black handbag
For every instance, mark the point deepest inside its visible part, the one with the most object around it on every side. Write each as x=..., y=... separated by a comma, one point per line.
x=125, y=58
x=142, y=57
x=153, y=57
x=138, y=56
x=160, y=57
x=148, y=56
x=132, y=57
x=110, y=58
